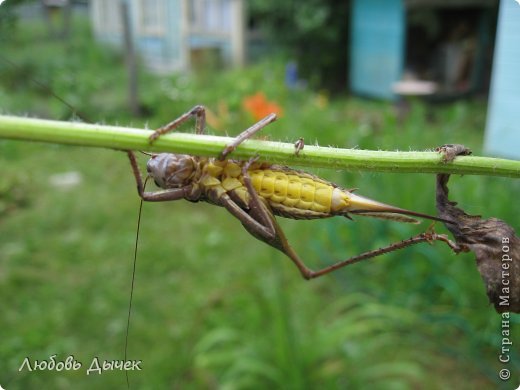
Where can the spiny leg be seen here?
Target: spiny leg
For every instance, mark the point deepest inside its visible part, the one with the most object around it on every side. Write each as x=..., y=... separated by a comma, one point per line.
x=199, y=112
x=246, y=134
x=310, y=274
x=261, y=213
x=422, y=237
x=157, y=196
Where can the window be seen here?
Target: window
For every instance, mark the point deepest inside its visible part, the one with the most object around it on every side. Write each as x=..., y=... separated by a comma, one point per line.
x=151, y=17
x=209, y=16
x=107, y=16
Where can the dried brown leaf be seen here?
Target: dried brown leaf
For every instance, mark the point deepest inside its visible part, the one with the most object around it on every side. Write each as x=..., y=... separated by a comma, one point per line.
x=494, y=242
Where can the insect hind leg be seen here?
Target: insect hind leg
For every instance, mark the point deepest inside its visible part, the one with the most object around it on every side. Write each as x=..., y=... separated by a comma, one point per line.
x=429, y=237
x=261, y=214
x=199, y=112
x=308, y=273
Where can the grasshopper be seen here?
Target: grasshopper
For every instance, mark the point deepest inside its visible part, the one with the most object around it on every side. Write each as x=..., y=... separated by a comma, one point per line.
x=255, y=192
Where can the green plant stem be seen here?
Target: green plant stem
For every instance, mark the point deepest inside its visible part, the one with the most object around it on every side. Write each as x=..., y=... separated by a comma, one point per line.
x=81, y=134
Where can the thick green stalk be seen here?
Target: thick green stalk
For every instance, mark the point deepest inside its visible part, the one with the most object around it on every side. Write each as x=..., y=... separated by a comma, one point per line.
x=75, y=133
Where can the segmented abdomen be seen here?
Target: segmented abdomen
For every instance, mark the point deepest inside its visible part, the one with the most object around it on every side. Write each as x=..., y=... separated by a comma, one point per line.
x=292, y=190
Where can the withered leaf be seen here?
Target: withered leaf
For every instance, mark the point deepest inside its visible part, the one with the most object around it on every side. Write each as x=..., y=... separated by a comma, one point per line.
x=494, y=242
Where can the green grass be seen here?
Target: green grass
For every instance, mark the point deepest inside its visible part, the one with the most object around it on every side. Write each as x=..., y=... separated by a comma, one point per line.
x=213, y=307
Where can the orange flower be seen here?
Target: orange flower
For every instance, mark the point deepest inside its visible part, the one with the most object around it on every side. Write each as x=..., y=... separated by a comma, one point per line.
x=258, y=106
x=220, y=119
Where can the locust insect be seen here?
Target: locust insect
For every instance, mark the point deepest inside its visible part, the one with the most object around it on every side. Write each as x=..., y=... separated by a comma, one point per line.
x=256, y=192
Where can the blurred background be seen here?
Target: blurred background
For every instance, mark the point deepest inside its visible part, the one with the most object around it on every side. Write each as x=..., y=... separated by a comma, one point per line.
x=213, y=307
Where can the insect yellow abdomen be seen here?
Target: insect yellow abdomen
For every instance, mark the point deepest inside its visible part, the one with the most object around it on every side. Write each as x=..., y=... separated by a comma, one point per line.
x=292, y=190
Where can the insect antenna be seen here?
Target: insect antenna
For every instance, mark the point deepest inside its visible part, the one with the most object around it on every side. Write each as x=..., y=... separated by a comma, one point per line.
x=133, y=279
x=49, y=90
x=75, y=112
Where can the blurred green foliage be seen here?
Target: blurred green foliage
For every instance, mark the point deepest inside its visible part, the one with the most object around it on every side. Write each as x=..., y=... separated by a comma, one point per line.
x=311, y=32
x=213, y=307
x=8, y=18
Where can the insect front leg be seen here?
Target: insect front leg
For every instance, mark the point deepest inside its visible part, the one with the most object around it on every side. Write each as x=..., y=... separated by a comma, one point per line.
x=157, y=196
x=246, y=134
x=199, y=112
